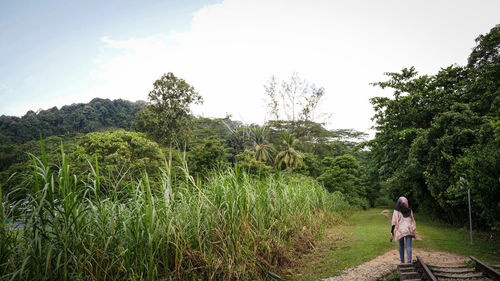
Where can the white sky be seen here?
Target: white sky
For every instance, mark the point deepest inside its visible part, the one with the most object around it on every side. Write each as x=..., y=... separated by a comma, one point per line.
x=231, y=49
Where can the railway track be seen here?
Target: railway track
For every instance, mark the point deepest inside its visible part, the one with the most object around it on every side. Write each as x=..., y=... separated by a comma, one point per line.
x=419, y=270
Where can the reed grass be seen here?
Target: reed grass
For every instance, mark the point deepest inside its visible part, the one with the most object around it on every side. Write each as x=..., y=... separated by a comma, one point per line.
x=231, y=226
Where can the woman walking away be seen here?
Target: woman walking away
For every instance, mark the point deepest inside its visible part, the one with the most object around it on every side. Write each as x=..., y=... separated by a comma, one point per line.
x=403, y=227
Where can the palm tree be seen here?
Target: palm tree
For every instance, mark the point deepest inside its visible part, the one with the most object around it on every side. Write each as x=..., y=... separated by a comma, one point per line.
x=289, y=156
x=263, y=150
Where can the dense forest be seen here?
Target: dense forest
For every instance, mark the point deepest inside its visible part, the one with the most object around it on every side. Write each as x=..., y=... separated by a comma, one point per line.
x=146, y=190
x=439, y=136
x=97, y=115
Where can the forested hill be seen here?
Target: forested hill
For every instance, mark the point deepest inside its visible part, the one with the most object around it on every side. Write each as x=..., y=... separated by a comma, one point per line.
x=96, y=115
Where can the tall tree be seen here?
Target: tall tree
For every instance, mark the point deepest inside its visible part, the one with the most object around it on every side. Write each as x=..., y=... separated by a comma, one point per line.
x=263, y=150
x=119, y=150
x=344, y=174
x=292, y=106
x=289, y=155
x=293, y=100
x=440, y=128
x=168, y=117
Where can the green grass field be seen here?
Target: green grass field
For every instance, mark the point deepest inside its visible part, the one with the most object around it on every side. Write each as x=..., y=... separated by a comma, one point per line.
x=365, y=236
x=440, y=236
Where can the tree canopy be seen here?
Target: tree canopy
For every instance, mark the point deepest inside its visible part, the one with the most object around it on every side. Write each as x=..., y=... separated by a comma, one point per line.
x=167, y=118
x=439, y=129
x=97, y=115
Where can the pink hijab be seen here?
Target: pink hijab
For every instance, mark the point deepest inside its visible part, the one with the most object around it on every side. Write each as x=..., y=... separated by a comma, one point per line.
x=402, y=202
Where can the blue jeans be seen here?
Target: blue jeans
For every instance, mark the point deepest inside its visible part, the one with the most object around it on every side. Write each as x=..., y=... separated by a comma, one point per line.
x=402, y=248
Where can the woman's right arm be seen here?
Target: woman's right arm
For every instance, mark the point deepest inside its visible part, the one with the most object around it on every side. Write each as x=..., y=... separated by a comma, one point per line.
x=394, y=221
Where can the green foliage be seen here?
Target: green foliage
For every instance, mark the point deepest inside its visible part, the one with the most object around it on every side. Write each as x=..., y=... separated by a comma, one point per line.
x=496, y=127
x=9, y=154
x=383, y=201
x=344, y=174
x=312, y=136
x=310, y=165
x=8, y=238
x=207, y=156
x=234, y=136
x=246, y=162
x=263, y=150
x=219, y=127
x=480, y=166
x=145, y=120
x=440, y=128
x=118, y=150
x=372, y=181
x=288, y=155
x=168, y=118
x=486, y=51
x=15, y=174
x=98, y=114
x=232, y=227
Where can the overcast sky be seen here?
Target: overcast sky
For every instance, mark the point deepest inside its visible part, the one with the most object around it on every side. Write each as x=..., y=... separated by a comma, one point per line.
x=54, y=53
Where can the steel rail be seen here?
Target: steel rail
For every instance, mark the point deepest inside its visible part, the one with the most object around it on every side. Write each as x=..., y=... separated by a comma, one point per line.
x=424, y=270
x=486, y=269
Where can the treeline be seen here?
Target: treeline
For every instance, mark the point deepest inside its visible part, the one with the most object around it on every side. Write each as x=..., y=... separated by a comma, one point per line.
x=166, y=135
x=440, y=135
x=98, y=114
x=333, y=158
x=166, y=131
x=291, y=141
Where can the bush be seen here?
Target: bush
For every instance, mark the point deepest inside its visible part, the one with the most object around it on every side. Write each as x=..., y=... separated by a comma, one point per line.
x=384, y=201
x=118, y=150
x=206, y=156
x=247, y=163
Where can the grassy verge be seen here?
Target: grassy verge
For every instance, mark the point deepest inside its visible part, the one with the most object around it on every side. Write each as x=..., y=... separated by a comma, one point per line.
x=362, y=238
x=439, y=236
x=365, y=236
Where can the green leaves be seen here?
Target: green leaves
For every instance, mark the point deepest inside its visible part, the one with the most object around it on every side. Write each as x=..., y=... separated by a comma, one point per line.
x=263, y=150
x=435, y=130
x=168, y=118
x=486, y=51
x=119, y=150
x=289, y=156
x=207, y=156
x=344, y=174
x=96, y=115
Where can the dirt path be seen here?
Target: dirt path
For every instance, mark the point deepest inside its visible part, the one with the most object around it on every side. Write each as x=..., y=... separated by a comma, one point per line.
x=387, y=262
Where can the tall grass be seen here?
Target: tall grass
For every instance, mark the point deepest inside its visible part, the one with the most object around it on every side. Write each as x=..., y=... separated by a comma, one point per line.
x=229, y=227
